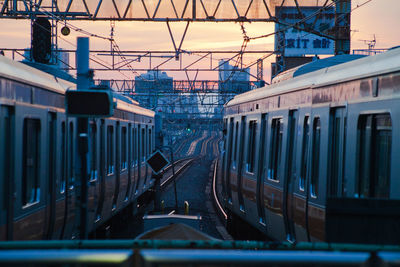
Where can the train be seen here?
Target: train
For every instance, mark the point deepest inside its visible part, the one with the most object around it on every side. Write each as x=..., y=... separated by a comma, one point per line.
x=313, y=156
x=39, y=167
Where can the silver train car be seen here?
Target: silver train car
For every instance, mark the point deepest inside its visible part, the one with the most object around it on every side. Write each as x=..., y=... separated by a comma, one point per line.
x=312, y=157
x=38, y=157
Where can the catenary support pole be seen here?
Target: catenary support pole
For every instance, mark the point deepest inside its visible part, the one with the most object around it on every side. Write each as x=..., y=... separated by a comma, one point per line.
x=83, y=83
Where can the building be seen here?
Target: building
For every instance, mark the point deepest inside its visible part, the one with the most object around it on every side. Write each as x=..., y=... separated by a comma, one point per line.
x=152, y=88
x=233, y=80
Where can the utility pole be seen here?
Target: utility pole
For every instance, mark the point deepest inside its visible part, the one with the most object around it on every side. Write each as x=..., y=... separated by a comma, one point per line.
x=342, y=27
x=83, y=83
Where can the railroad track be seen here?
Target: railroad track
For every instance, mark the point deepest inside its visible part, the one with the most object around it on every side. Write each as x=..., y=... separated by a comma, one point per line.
x=217, y=203
x=190, y=139
x=183, y=163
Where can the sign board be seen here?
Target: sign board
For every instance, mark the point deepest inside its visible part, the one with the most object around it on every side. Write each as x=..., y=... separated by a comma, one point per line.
x=299, y=43
x=89, y=103
x=157, y=162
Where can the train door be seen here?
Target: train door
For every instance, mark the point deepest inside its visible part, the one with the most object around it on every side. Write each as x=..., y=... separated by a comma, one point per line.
x=313, y=192
x=63, y=176
x=290, y=175
x=135, y=158
x=300, y=197
x=229, y=161
x=93, y=190
x=51, y=172
x=7, y=170
x=124, y=169
x=145, y=153
x=337, y=151
x=102, y=169
x=222, y=158
x=261, y=171
x=139, y=158
x=240, y=163
x=68, y=227
x=129, y=160
x=117, y=165
x=31, y=179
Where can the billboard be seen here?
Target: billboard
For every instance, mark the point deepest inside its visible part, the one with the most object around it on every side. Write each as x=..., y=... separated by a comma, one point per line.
x=299, y=43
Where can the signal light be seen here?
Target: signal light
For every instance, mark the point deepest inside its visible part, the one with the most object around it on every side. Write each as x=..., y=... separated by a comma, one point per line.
x=41, y=40
x=89, y=103
x=65, y=31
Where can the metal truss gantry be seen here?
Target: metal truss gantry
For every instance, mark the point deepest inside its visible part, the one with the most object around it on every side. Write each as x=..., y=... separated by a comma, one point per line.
x=181, y=87
x=153, y=10
x=186, y=99
x=140, y=60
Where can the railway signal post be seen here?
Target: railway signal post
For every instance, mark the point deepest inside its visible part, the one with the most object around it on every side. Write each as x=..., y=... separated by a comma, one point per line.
x=157, y=162
x=86, y=102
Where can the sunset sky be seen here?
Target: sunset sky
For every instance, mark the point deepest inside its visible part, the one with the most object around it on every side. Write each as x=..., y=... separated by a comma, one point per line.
x=379, y=17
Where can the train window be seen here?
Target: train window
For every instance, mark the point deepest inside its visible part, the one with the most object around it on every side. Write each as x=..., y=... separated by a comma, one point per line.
x=117, y=162
x=93, y=151
x=251, y=146
x=374, y=150
x=110, y=149
x=51, y=157
x=304, y=152
x=150, y=144
x=335, y=155
x=103, y=163
x=134, y=144
x=234, y=155
x=63, y=151
x=129, y=159
x=230, y=142
x=124, y=162
x=275, y=148
x=143, y=141
x=337, y=152
x=147, y=142
x=31, y=161
x=315, y=156
x=71, y=165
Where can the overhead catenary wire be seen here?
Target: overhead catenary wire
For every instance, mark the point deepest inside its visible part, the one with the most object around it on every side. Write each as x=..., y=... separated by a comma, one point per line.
x=91, y=57
x=239, y=58
x=247, y=39
x=339, y=18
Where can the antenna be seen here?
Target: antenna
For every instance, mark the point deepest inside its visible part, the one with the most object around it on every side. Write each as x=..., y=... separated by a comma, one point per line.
x=371, y=45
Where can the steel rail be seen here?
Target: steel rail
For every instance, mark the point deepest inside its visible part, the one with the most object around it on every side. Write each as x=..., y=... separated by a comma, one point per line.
x=214, y=189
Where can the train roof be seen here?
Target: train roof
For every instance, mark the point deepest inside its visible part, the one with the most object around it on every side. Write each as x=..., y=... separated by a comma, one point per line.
x=26, y=74
x=314, y=66
x=128, y=104
x=23, y=73
x=132, y=107
x=357, y=69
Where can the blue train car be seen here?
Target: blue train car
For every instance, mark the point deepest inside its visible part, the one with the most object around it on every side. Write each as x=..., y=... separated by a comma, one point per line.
x=312, y=157
x=38, y=157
